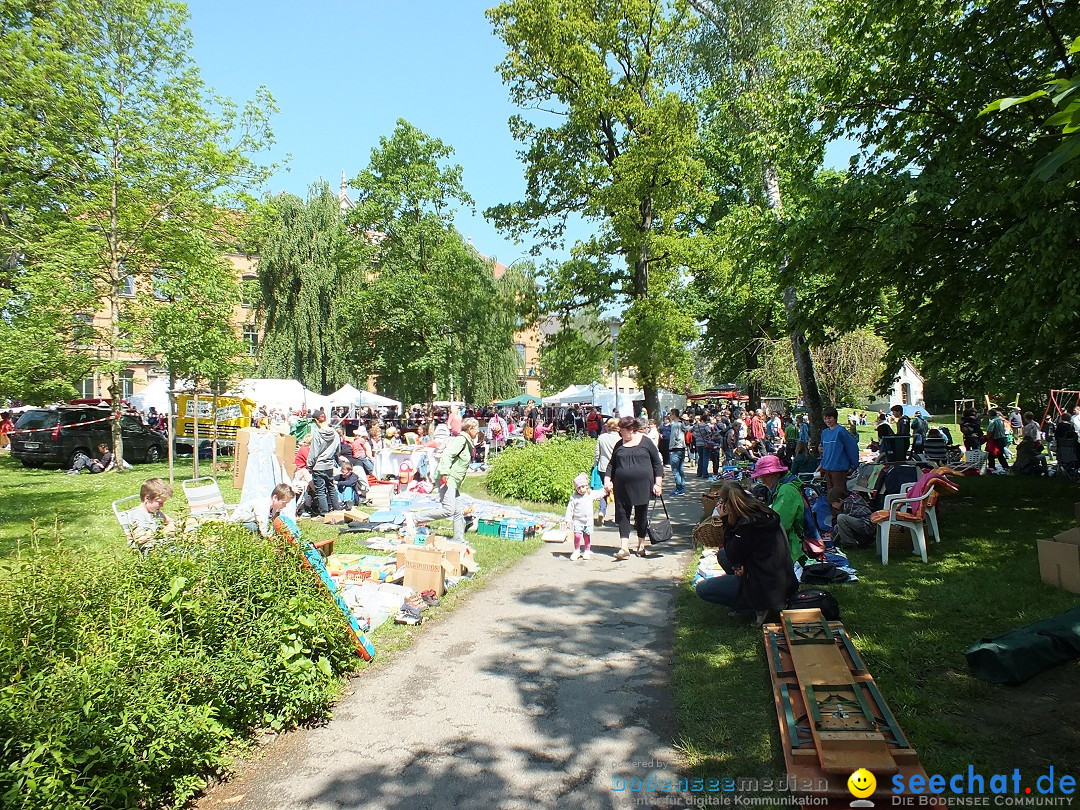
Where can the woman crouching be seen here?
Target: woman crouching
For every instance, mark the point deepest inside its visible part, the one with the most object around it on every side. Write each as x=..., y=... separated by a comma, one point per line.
x=759, y=576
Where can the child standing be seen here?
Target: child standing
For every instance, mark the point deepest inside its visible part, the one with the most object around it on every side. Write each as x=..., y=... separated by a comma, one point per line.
x=579, y=515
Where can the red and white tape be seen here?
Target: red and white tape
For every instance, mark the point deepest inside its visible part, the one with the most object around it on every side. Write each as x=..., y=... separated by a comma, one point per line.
x=51, y=429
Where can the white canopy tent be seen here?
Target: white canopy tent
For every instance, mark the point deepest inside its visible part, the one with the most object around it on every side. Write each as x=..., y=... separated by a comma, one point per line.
x=280, y=394
x=596, y=394
x=155, y=395
x=350, y=396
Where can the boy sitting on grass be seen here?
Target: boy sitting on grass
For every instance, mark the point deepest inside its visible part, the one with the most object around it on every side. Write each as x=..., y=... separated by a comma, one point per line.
x=853, y=528
x=258, y=515
x=147, y=525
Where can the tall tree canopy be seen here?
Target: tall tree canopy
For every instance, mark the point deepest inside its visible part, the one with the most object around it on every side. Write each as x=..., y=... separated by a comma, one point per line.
x=119, y=160
x=940, y=204
x=620, y=155
x=309, y=268
x=432, y=315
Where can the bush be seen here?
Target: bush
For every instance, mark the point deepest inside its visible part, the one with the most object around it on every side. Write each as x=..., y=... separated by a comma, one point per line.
x=126, y=681
x=541, y=472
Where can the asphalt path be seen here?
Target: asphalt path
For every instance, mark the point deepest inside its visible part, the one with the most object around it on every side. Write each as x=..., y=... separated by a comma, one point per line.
x=543, y=690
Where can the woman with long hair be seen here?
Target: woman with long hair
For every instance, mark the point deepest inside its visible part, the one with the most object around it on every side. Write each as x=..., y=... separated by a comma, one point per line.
x=759, y=576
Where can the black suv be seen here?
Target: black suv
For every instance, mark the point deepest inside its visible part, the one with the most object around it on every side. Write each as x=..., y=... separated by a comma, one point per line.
x=58, y=435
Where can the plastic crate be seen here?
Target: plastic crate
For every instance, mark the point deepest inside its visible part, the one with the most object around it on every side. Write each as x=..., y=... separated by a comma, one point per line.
x=516, y=530
x=488, y=528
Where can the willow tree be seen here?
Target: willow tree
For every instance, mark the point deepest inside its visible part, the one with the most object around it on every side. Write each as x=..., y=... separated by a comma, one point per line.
x=619, y=153
x=309, y=267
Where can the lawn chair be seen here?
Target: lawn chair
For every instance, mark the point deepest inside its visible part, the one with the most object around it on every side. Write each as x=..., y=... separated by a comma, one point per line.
x=122, y=509
x=205, y=501
x=971, y=464
x=909, y=513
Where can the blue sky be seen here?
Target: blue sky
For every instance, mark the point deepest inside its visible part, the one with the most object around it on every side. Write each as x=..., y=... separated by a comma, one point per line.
x=343, y=73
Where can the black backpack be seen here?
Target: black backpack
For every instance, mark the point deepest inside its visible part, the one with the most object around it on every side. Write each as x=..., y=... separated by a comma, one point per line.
x=814, y=598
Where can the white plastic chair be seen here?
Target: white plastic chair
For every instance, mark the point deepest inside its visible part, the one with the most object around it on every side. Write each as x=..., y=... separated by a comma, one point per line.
x=205, y=501
x=914, y=519
x=931, y=509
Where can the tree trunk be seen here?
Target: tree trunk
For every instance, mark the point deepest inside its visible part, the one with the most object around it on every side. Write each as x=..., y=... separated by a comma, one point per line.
x=195, y=432
x=652, y=402
x=213, y=447
x=171, y=424
x=804, y=363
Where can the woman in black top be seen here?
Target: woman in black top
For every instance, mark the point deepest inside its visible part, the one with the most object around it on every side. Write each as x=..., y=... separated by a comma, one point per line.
x=756, y=556
x=635, y=473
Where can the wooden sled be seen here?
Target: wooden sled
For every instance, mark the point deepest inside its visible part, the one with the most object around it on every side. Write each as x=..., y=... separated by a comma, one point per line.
x=833, y=720
x=313, y=559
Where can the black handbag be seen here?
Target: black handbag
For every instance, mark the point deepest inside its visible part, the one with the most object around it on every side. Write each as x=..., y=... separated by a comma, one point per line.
x=660, y=531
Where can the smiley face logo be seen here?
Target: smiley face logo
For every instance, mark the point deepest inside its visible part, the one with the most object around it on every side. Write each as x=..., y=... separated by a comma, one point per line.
x=861, y=783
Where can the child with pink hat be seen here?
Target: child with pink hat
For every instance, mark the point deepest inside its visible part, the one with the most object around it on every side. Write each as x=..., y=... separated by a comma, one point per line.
x=579, y=516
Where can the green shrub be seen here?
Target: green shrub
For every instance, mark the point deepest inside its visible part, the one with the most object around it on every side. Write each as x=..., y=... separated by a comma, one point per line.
x=541, y=472
x=126, y=681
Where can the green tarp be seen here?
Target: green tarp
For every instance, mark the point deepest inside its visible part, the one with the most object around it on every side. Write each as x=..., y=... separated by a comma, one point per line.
x=1023, y=653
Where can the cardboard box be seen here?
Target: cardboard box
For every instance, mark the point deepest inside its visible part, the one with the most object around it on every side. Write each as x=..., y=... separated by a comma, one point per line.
x=1059, y=560
x=459, y=557
x=424, y=570
x=284, y=449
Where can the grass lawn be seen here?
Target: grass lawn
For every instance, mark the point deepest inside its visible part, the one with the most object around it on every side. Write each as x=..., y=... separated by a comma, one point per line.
x=44, y=503
x=912, y=623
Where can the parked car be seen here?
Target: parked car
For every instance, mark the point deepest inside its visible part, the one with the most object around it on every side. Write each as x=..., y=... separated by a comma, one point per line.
x=57, y=435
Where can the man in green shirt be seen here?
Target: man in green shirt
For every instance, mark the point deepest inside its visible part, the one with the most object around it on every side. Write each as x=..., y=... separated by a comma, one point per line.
x=451, y=471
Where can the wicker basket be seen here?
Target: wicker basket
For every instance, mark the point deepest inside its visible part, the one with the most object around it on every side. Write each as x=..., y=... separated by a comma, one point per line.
x=710, y=533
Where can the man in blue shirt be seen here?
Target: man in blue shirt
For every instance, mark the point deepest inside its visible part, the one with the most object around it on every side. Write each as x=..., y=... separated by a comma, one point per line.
x=839, y=452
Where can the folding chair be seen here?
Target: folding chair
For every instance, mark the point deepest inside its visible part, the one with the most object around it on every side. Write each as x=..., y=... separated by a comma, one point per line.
x=205, y=501
x=122, y=509
x=973, y=460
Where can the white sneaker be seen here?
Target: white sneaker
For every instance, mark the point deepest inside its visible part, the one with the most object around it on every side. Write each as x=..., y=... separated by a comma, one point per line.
x=587, y=555
x=576, y=555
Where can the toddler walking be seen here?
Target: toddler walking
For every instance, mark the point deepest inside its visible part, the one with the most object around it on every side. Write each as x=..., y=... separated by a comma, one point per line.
x=579, y=516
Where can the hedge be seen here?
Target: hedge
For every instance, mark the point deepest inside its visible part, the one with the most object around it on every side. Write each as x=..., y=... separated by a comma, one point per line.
x=542, y=472
x=127, y=681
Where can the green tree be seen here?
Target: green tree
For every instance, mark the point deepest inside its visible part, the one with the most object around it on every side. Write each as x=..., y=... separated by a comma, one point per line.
x=309, y=267
x=620, y=155
x=849, y=366
x=755, y=61
x=149, y=156
x=939, y=206
x=577, y=353
x=432, y=314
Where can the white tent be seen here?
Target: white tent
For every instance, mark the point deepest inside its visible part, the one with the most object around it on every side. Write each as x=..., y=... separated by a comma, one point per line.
x=596, y=394
x=346, y=396
x=568, y=396
x=155, y=395
x=349, y=396
x=280, y=394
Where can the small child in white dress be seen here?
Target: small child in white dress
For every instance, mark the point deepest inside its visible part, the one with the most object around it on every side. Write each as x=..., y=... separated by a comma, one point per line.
x=579, y=516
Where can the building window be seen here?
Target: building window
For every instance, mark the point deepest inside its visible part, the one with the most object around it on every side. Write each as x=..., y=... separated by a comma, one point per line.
x=251, y=339
x=249, y=291
x=127, y=286
x=520, y=349
x=127, y=383
x=87, y=389
x=160, y=286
